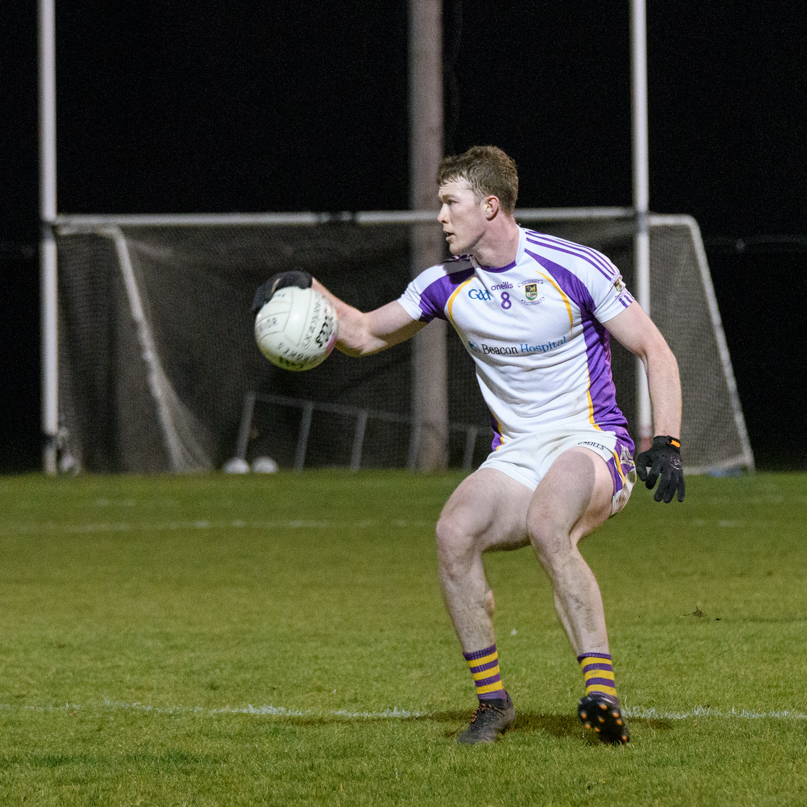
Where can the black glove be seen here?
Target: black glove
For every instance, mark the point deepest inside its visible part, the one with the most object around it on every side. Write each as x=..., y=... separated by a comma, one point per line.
x=664, y=458
x=279, y=281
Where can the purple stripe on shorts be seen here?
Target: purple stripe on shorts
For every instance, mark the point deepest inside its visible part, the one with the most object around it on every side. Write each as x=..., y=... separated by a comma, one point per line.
x=497, y=436
x=615, y=477
x=622, y=442
x=591, y=256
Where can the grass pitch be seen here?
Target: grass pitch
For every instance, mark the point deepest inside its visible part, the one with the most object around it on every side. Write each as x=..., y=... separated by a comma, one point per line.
x=281, y=640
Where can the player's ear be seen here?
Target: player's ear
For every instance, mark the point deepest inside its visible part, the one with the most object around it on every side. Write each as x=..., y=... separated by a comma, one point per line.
x=491, y=207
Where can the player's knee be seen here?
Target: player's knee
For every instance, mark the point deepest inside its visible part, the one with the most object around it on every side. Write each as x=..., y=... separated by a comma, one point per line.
x=551, y=542
x=455, y=545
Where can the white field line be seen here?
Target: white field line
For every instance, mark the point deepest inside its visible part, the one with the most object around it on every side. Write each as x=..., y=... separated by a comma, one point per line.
x=389, y=714
x=202, y=524
x=708, y=711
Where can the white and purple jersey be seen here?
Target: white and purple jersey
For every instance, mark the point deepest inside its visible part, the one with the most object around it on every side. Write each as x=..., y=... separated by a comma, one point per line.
x=534, y=329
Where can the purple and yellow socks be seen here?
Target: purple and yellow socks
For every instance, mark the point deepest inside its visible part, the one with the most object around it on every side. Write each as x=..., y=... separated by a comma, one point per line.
x=484, y=666
x=598, y=673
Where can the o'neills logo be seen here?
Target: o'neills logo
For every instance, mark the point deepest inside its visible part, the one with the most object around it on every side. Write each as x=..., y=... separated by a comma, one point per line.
x=501, y=286
x=512, y=350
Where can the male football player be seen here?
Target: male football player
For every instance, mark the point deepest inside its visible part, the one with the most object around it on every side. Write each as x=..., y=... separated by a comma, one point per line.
x=535, y=313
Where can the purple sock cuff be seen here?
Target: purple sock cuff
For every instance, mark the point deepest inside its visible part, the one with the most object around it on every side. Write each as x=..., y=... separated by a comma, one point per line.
x=479, y=653
x=593, y=655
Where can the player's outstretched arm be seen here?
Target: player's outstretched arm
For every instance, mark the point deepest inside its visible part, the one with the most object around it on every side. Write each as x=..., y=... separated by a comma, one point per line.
x=361, y=334
x=662, y=461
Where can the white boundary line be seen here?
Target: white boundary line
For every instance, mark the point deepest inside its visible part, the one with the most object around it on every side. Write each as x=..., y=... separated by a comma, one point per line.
x=707, y=711
x=388, y=714
x=202, y=524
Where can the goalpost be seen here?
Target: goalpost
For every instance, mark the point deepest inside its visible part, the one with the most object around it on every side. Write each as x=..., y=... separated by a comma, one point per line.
x=157, y=360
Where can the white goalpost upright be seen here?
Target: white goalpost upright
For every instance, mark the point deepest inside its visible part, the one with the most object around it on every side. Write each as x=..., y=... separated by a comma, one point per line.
x=47, y=243
x=641, y=199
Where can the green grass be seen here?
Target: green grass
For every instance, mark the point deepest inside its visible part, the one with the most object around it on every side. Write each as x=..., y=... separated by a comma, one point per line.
x=281, y=640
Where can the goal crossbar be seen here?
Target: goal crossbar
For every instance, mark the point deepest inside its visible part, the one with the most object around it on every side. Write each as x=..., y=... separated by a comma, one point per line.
x=79, y=223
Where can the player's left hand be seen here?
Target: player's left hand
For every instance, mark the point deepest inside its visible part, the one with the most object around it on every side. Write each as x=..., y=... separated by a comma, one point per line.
x=664, y=460
x=281, y=280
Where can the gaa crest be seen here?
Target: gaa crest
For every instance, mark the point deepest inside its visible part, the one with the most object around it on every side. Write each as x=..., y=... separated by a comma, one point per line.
x=531, y=291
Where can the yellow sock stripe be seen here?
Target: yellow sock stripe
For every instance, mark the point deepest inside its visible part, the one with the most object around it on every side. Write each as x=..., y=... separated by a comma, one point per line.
x=491, y=688
x=599, y=674
x=593, y=660
x=480, y=676
x=476, y=662
x=601, y=688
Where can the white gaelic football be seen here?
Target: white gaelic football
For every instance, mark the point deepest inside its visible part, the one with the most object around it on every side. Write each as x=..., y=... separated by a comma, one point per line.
x=297, y=329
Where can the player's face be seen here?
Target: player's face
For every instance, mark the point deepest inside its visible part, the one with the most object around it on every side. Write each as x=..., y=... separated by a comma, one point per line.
x=462, y=216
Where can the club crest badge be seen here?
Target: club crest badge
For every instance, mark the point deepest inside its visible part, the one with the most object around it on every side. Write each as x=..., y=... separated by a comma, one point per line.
x=531, y=292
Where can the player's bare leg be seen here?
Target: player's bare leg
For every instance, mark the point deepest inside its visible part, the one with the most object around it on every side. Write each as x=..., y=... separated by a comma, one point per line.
x=572, y=500
x=487, y=511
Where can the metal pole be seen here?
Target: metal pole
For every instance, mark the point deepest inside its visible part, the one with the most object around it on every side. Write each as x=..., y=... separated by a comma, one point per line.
x=302, y=438
x=47, y=243
x=430, y=374
x=358, y=440
x=247, y=414
x=641, y=199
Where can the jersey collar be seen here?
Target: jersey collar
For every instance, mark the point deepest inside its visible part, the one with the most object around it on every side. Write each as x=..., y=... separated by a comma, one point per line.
x=522, y=238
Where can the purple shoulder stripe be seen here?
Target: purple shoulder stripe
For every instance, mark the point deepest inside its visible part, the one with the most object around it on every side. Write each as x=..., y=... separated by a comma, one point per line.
x=568, y=281
x=591, y=256
x=434, y=298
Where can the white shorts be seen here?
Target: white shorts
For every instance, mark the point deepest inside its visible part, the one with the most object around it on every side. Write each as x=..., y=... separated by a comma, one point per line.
x=527, y=458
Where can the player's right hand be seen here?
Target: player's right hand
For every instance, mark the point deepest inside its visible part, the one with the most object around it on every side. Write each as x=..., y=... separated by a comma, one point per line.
x=279, y=281
x=664, y=460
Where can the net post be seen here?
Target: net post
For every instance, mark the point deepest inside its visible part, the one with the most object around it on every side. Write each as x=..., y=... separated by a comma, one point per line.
x=470, y=445
x=246, y=423
x=358, y=440
x=414, y=446
x=302, y=439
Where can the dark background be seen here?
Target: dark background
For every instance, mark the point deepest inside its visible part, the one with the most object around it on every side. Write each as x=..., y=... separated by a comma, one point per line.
x=278, y=106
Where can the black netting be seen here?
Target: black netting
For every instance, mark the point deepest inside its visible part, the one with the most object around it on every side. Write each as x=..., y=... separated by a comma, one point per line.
x=196, y=285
